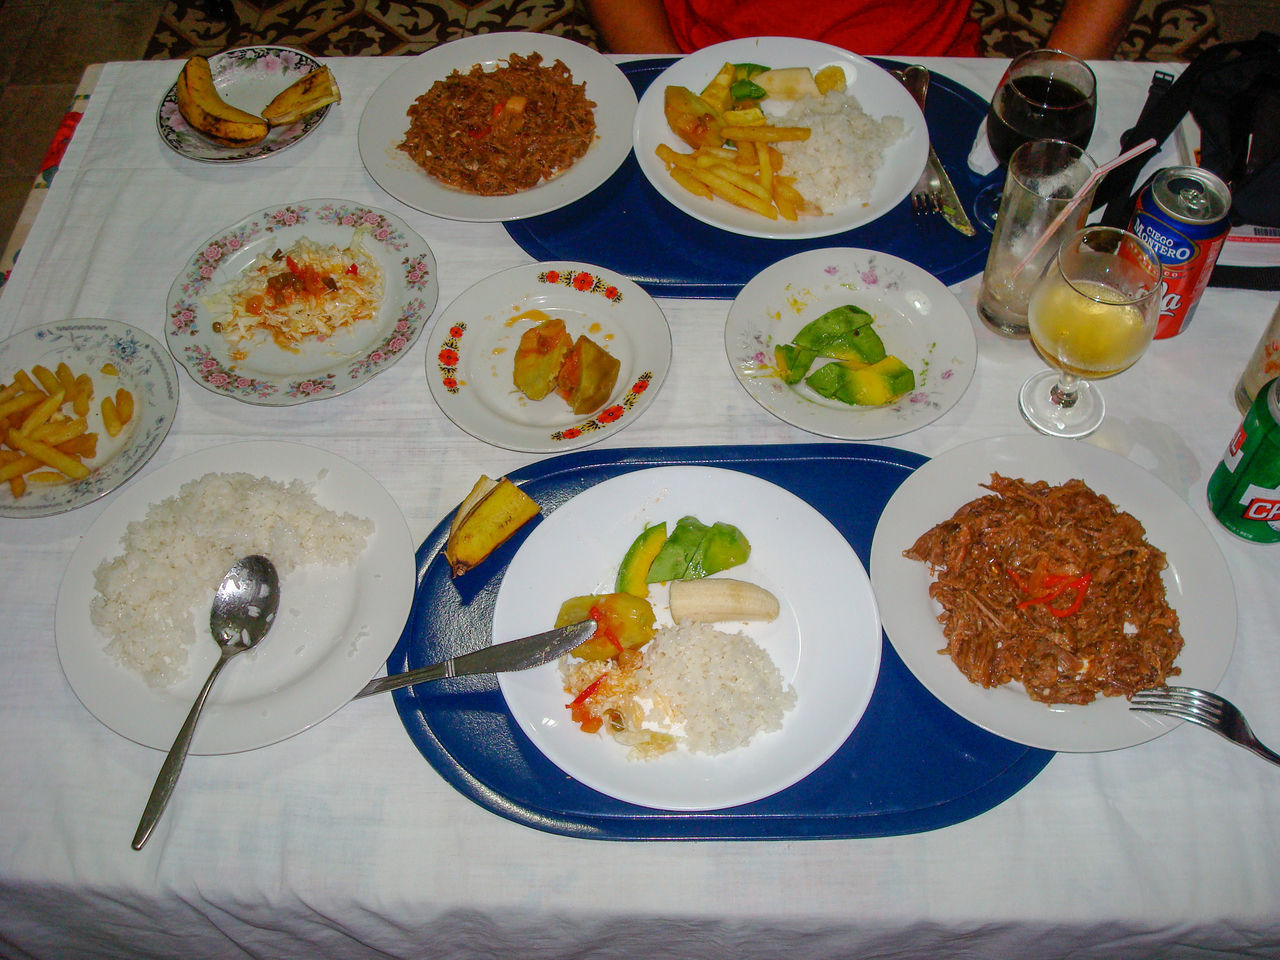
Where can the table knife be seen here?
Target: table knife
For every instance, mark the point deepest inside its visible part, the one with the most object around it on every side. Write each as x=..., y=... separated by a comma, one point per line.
x=916, y=79
x=513, y=655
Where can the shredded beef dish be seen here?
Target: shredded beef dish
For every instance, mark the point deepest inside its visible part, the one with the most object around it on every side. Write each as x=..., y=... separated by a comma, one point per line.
x=1053, y=587
x=503, y=131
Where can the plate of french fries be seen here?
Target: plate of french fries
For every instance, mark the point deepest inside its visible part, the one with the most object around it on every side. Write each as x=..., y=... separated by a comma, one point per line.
x=712, y=133
x=83, y=405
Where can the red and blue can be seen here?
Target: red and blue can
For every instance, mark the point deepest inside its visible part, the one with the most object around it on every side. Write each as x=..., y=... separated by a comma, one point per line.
x=1182, y=215
x=1244, y=491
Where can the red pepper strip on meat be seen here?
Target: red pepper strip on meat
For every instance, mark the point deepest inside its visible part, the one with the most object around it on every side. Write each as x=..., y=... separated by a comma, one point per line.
x=1057, y=585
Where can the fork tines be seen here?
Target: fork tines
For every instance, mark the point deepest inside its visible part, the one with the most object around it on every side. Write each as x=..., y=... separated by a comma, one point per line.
x=1186, y=702
x=926, y=203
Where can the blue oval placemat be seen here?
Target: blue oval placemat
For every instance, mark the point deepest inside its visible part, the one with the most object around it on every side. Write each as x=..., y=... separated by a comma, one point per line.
x=910, y=765
x=626, y=225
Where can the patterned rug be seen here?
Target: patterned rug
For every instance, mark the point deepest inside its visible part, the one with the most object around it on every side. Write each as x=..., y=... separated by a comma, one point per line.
x=1161, y=30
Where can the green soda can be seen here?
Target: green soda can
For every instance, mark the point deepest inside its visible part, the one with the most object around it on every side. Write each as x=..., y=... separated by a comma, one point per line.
x=1244, y=492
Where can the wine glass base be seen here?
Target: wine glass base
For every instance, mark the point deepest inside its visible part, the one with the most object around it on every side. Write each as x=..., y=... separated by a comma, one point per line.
x=986, y=205
x=1038, y=406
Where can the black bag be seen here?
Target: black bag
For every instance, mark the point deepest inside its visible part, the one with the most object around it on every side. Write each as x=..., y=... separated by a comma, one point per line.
x=1232, y=90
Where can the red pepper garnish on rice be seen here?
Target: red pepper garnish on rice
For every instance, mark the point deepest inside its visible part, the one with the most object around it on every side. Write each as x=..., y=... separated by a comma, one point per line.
x=1054, y=586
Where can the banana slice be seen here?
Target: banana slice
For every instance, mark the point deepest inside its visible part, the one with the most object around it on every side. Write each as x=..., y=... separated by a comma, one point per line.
x=306, y=95
x=715, y=599
x=208, y=113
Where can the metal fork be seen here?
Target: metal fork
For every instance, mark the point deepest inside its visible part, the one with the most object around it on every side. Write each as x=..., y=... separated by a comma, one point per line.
x=1205, y=708
x=926, y=195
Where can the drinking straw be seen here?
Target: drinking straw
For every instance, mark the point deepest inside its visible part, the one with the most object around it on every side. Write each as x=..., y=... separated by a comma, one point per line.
x=1074, y=202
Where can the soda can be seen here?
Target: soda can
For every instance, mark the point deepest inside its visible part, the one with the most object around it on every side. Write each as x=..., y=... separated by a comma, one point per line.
x=1244, y=491
x=1182, y=215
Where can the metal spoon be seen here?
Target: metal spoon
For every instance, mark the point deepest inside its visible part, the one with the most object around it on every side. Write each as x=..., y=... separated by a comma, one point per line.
x=244, y=608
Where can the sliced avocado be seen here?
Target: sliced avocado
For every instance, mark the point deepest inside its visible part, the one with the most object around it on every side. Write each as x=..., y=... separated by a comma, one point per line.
x=723, y=547
x=878, y=384
x=639, y=558
x=792, y=362
x=673, y=558
x=832, y=327
x=860, y=346
x=828, y=378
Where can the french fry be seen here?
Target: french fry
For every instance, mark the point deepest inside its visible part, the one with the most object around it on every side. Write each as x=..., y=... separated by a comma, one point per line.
x=725, y=190
x=691, y=183
x=22, y=402
x=9, y=391
x=17, y=486
x=124, y=404
x=41, y=412
x=766, y=133
x=55, y=434
x=111, y=417
x=66, y=378
x=45, y=476
x=83, y=394
x=766, y=167
x=24, y=379
x=16, y=468
x=46, y=378
x=48, y=455
x=84, y=445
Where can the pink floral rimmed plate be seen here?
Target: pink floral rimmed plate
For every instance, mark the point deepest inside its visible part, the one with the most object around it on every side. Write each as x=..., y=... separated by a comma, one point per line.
x=919, y=319
x=248, y=78
x=268, y=374
x=471, y=352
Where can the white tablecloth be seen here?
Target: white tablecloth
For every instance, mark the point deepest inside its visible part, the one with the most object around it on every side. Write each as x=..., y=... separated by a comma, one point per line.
x=344, y=842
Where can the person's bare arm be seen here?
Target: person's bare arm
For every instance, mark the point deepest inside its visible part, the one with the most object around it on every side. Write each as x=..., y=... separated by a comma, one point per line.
x=632, y=26
x=1092, y=29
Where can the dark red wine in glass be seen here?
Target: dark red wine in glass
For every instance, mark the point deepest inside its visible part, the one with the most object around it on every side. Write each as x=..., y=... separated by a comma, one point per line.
x=1043, y=95
x=1033, y=107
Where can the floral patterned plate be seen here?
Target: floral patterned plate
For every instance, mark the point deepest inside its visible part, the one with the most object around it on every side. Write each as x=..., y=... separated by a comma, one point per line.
x=114, y=355
x=270, y=375
x=472, y=350
x=248, y=78
x=919, y=319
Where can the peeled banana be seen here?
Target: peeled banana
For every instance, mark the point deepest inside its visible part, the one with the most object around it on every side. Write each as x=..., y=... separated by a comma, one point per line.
x=207, y=112
x=716, y=599
x=486, y=519
x=306, y=95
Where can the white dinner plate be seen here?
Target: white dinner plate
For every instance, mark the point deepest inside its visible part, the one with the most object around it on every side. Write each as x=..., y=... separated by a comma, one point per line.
x=270, y=375
x=1197, y=582
x=248, y=78
x=918, y=318
x=385, y=121
x=335, y=627
x=471, y=351
x=825, y=642
x=88, y=346
x=876, y=90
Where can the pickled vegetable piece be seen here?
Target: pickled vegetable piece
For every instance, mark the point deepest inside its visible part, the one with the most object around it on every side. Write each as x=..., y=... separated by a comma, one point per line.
x=623, y=622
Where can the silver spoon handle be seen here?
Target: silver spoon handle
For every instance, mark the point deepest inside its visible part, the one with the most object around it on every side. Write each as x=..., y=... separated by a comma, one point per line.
x=167, y=779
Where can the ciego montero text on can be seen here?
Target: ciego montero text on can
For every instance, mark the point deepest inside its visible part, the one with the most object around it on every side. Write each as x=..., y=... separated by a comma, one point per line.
x=1182, y=215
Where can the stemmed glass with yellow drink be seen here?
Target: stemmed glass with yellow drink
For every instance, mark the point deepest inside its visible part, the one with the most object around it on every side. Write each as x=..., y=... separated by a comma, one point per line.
x=1091, y=316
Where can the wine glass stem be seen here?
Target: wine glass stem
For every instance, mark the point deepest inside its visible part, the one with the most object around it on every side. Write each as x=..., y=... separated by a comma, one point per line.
x=1064, y=392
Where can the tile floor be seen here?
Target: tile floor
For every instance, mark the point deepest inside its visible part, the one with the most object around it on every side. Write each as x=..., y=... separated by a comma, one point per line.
x=45, y=46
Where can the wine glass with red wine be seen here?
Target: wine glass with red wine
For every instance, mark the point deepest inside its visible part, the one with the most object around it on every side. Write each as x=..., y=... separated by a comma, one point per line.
x=1043, y=95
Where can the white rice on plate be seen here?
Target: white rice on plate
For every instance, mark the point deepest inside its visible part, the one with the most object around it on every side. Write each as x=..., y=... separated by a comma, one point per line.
x=699, y=688
x=149, y=596
x=838, y=164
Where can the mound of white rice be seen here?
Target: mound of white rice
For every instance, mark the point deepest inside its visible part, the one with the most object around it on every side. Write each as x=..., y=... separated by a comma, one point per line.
x=149, y=597
x=837, y=165
x=723, y=688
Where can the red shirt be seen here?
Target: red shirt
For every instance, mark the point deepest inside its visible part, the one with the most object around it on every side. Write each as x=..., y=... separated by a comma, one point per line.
x=920, y=28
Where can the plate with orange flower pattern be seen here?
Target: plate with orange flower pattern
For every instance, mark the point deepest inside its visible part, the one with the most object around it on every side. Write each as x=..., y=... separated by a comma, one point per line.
x=264, y=372
x=471, y=354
